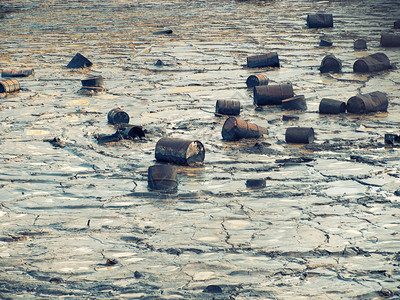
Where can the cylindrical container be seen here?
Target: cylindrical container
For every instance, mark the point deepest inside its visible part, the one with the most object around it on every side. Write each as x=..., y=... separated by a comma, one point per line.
x=272, y=94
x=9, y=86
x=256, y=80
x=16, y=73
x=180, y=151
x=331, y=106
x=325, y=43
x=299, y=135
x=360, y=44
x=330, y=64
x=295, y=103
x=256, y=183
x=130, y=132
x=162, y=178
x=264, y=60
x=396, y=24
x=290, y=118
x=97, y=81
x=372, y=63
x=320, y=21
x=390, y=40
x=117, y=116
x=236, y=129
x=227, y=107
x=79, y=61
x=361, y=104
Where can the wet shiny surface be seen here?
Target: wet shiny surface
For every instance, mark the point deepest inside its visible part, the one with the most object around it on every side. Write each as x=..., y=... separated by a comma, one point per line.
x=79, y=221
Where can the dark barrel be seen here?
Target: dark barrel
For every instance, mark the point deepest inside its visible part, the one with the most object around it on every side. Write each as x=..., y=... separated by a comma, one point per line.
x=330, y=64
x=390, y=40
x=331, y=106
x=227, y=107
x=299, y=135
x=287, y=118
x=9, y=86
x=295, y=103
x=130, y=132
x=360, y=44
x=319, y=20
x=236, y=129
x=79, y=61
x=255, y=80
x=391, y=139
x=256, y=183
x=264, y=60
x=117, y=116
x=324, y=42
x=372, y=63
x=162, y=178
x=180, y=151
x=97, y=81
x=272, y=94
x=17, y=73
x=396, y=24
x=372, y=102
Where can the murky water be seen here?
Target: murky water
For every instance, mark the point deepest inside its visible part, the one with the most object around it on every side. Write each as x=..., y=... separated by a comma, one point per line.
x=79, y=222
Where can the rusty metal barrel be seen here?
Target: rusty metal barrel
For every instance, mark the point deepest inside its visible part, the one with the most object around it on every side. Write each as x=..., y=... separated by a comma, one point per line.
x=295, y=103
x=236, y=129
x=331, y=106
x=390, y=40
x=16, y=73
x=130, y=132
x=79, y=61
x=227, y=107
x=256, y=80
x=371, y=102
x=9, y=86
x=372, y=63
x=162, y=178
x=264, y=60
x=319, y=20
x=360, y=44
x=117, y=116
x=180, y=151
x=330, y=64
x=272, y=94
x=299, y=135
x=94, y=81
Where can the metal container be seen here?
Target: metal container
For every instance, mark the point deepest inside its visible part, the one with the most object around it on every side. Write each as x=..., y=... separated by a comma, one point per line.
x=372, y=63
x=396, y=24
x=180, y=151
x=264, y=60
x=95, y=81
x=272, y=94
x=331, y=106
x=287, y=118
x=9, y=86
x=227, y=107
x=130, y=132
x=392, y=139
x=330, y=64
x=117, y=116
x=168, y=31
x=236, y=129
x=325, y=43
x=390, y=40
x=319, y=20
x=162, y=178
x=360, y=44
x=372, y=102
x=256, y=80
x=299, y=135
x=79, y=61
x=256, y=183
x=295, y=103
x=17, y=73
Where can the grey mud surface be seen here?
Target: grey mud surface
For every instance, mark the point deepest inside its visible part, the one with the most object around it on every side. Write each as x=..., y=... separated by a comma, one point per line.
x=78, y=221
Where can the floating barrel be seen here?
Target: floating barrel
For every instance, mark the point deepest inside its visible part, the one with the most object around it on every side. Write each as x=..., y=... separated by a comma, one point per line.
x=299, y=135
x=180, y=151
x=9, y=86
x=390, y=40
x=17, y=73
x=79, y=61
x=372, y=63
x=331, y=106
x=236, y=129
x=256, y=183
x=372, y=102
x=295, y=103
x=264, y=60
x=95, y=81
x=360, y=44
x=130, y=132
x=330, y=64
x=227, y=107
x=272, y=94
x=255, y=80
x=162, y=178
x=396, y=24
x=117, y=116
x=319, y=20
x=324, y=42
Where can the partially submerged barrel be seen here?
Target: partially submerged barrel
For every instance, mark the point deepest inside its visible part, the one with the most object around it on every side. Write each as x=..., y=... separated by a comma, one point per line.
x=272, y=94
x=299, y=135
x=16, y=73
x=256, y=183
x=396, y=24
x=264, y=60
x=372, y=102
x=319, y=20
x=236, y=129
x=94, y=81
x=330, y=64
x=360, y=44
x=79, y=61
x=117, y=116
x=390, y=40
x=256, y=80
x=372, y=63
x=130, y=132
x=227, y=107
x=9, y=86
x=331, y=106
x=295, y=103
x=162, y=178
x=180, y=151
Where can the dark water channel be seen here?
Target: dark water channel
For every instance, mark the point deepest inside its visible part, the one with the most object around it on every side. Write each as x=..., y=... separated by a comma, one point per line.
x=78, y=221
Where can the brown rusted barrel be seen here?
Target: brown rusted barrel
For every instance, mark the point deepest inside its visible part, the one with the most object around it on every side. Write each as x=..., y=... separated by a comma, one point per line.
x=95, y=81
x=162, y=178
x=372, y=102
x=295, y=103
x=79, y=61
x=331, y=106
x=264, y=60
x=390, y=40
x=180, y=151
x=272, y=94
x=255, y=80
x=319, y=20
x=130, y=132
x=117, y=116
x=372, y=63
x=9, y=86
x=299, y=135
x=330, y=64
x=17, y=73
x=236, y=129
x=227, y=107
x=360, y=44
x=256, y=183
